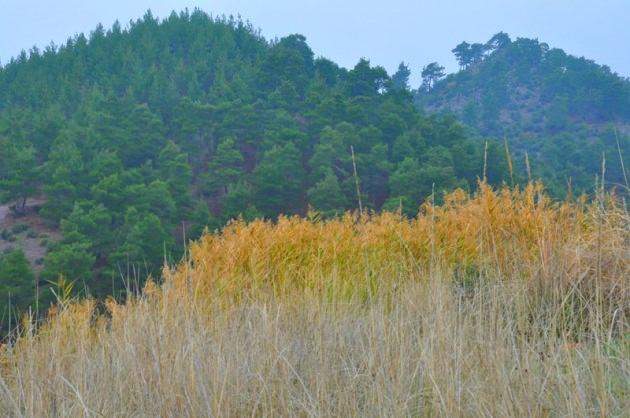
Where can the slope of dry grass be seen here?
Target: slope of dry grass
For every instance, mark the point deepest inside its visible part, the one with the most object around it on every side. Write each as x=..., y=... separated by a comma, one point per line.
x=498, y=304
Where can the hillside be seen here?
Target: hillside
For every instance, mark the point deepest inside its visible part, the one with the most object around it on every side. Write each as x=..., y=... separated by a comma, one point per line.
x=198, y=221
x=135, y=139
x=562, y=110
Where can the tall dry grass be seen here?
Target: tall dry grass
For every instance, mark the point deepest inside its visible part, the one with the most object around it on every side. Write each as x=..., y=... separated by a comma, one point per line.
x=498, y=304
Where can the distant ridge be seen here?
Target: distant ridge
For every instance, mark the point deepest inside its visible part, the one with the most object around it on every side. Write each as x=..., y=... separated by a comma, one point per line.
x=561, y=109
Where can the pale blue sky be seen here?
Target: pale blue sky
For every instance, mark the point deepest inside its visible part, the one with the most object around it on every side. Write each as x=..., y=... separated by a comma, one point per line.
x=386, y=32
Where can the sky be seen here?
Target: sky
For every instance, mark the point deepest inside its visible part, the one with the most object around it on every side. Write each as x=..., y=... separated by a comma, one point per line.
x=386, y=32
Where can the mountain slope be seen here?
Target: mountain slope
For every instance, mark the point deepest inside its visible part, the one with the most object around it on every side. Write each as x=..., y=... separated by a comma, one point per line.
x=136, y=139
x=561, y=109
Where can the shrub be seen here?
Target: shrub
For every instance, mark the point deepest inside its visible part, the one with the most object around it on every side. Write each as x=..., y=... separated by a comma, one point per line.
x=6, y=234
x=19, y=228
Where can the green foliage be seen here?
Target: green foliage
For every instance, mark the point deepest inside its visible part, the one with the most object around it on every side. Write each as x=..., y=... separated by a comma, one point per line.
x=174, y=169
x=201, y=219
x=72, y=260
x=327, y=197
x=149, y=134
x=18, y=174
x=537, y=98
x=238, y=203
x=278, y=180
x=558, y=114
x=19, y=228
x=224, y=169
x=400, y=79
x=146, y=245
x=64, y=170
x=408, y=183
x=93, y=221
x=431, y=74
x=17, y=281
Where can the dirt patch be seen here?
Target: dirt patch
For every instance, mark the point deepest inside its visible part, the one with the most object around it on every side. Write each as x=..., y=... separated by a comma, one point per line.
x=28, y=232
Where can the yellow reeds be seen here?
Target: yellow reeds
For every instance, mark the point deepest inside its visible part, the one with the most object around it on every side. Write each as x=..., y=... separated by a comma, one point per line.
x=513, y=234
x=501, y=303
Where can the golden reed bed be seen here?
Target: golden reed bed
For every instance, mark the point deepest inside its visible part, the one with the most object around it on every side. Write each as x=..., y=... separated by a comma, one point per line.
x=499, y=304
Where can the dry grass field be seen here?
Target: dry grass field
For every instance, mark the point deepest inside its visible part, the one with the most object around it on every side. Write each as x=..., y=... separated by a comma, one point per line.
x=499, y=304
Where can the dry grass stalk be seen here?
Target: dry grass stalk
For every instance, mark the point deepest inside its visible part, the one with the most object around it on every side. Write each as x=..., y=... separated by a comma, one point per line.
x=525, y=313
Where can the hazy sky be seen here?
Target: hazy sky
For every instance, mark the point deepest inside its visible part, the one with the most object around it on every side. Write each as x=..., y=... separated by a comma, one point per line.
x=386, y=32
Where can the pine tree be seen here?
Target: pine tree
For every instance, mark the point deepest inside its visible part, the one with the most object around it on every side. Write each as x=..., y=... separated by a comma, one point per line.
x=224, y=168
x=65, y=177
x=174, y=169
x=400, y=79
x=279, y=179
x=74, y=261
x=327, y=197
x=17, y=281
x=238, y=203
x=18, y=175
x=201, y=219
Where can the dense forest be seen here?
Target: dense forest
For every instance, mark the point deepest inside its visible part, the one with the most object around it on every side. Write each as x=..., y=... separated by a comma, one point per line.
x=565, y=112
x=134, y=140
x=126, y=143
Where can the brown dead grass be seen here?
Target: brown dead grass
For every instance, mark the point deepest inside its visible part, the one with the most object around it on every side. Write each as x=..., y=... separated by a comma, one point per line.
x=498, y=304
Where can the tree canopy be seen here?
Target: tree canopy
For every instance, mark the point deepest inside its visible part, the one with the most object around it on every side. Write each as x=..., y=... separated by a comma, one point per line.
x=138, y=138
x=566, y=112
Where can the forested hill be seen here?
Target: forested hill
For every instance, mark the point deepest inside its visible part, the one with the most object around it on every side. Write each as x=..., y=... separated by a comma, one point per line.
x=561, y=109
x=132, y=140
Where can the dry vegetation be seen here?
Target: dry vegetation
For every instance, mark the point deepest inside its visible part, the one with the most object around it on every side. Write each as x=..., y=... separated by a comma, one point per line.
x=498, y=304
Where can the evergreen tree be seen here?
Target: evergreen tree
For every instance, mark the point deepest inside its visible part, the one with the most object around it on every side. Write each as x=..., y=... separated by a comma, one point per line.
x=400, y=79
x=327, y=197
x=238, y=203
x=154, y=197
x=224, y=168
x=408, y=187
x=365, y=80
x=17, y=281
x=477, y=52
x=498, y=41
x=91, y=224
x=146, y=245
x=63, y=183
x=431, y=74
x=463, y=55
x=103, y=164
x=201, y=219
x=279, y=179
x=18, y=175
x=73, y=261
x=330, y=154
x=290, y=59
x=176, y=172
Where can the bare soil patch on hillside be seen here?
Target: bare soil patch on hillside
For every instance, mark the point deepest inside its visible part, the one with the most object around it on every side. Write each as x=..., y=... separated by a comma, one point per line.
x=28, y=232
